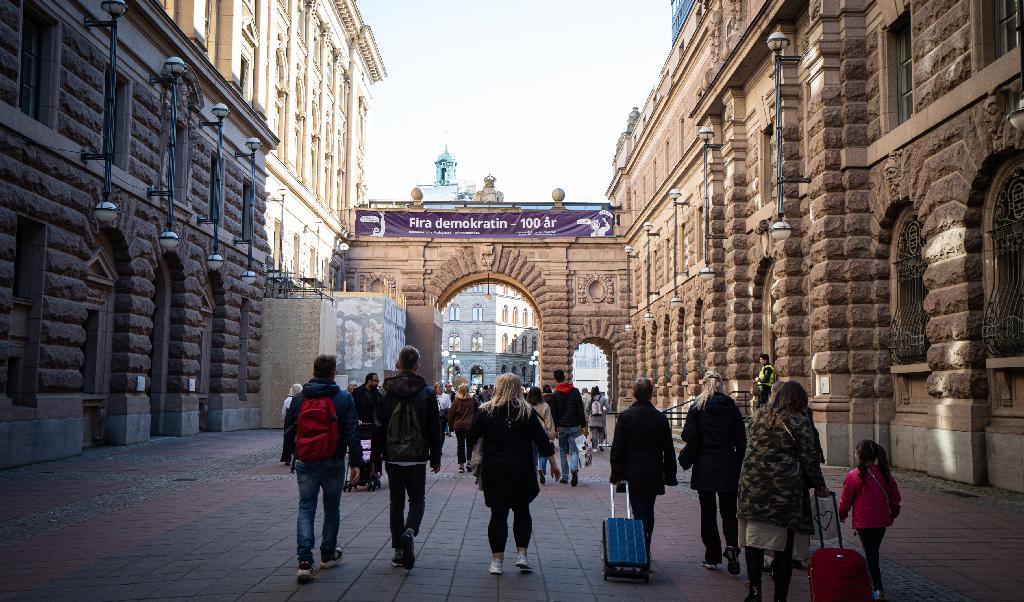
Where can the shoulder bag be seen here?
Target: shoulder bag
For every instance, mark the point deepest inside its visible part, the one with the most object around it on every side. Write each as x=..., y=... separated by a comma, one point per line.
x=893, y=510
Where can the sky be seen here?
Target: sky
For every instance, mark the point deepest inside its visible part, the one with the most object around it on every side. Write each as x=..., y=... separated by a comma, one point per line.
x=535, y=92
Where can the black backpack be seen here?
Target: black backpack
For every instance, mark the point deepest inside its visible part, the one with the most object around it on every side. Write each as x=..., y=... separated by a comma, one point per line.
x=406, y=441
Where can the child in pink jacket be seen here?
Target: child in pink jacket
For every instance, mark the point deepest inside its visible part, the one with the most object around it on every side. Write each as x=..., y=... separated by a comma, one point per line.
x=871, y=492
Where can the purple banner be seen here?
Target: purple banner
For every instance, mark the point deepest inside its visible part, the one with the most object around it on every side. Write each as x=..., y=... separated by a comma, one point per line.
x=490, y=224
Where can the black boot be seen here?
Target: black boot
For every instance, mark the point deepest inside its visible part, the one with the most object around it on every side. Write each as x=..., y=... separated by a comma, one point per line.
x=754, y=595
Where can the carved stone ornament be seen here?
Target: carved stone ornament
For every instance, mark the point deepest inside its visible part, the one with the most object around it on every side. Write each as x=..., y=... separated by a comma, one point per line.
x=595, y=288
x=815, y=9
x=487, y=258
x=995, y=120
x=892, y=170
x=377, y=282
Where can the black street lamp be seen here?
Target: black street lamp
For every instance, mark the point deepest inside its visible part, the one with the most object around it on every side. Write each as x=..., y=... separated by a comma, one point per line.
x=215, y=260
x=253, y=144
x=649, y=227
x=706, y=135
x=105, y=210
x=674, y=195
x=781, y=229
x=1016, y=116
x=172, y=70
x=629, y=289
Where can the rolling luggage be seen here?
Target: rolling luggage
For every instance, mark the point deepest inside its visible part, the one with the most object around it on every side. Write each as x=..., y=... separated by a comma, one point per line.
x=836, y=574
x=625, y=549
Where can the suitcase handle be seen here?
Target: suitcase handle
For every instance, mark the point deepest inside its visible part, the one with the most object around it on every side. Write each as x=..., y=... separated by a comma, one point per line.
x=818, y=519
x=629, y=507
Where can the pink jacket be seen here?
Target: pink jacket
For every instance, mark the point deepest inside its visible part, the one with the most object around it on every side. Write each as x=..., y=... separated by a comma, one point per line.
x=866, y=498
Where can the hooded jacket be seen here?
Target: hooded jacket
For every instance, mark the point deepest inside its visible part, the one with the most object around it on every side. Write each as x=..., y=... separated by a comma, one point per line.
x=344, y=406
x=567, y=406
x=409, y=387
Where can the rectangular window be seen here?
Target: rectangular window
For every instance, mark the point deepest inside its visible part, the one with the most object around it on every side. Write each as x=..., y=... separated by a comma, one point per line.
x=32, y=34
x=1006, y=26
x=122, y=118
x=278, y=241
x=246, y=210
x=91, y=352
x=243, y=77
x=904, y=75
x=296, y=250
x=29, y=259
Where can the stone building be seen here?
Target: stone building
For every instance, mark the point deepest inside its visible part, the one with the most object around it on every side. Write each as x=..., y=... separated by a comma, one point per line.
x=896, y=301
x=108, y=336
x=313, y=63
x=492, y=330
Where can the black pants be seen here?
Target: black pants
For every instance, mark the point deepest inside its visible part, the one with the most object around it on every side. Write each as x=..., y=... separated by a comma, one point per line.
x=871, y=539
x=643, y=509
x=402, y=481
x=462, y=449
x=782, y=567
x=762, y=394
x=497, y=529
x=709, y=523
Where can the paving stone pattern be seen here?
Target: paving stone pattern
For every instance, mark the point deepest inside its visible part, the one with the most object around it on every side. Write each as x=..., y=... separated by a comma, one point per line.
x=213, y=517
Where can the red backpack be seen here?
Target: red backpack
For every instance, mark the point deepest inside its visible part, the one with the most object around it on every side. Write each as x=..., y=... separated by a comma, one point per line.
x=316, y=430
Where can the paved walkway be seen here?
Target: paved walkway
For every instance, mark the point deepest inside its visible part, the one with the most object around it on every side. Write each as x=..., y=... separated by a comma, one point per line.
x=212, y=517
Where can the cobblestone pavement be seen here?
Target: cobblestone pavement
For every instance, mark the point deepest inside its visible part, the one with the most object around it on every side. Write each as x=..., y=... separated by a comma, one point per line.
x=213, y=517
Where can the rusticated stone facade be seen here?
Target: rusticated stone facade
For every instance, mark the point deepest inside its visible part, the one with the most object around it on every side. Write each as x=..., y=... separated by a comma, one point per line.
x=105, y=338
x=895, y=301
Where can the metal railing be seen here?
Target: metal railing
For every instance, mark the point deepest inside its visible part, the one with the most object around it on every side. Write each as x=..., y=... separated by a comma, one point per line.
x=285, y=285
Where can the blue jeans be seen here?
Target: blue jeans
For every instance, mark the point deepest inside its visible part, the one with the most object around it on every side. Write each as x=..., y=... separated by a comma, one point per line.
x=330, y=477
x=567, y=446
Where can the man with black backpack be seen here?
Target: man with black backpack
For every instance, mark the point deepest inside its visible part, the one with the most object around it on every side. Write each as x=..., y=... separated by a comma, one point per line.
x=409, y=437
x=322, y=424
x=570, y=418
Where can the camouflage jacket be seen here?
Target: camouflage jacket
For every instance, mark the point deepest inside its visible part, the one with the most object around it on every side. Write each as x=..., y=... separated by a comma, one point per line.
x=780, y=465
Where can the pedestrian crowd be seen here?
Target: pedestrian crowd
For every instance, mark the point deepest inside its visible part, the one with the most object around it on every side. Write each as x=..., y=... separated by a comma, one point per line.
x=753, y=477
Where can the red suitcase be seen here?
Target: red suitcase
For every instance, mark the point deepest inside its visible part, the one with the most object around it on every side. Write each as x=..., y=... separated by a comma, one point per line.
x=837, y=574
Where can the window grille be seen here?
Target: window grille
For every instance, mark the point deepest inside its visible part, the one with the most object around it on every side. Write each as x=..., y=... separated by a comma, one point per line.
x=1003, y=327
x=908, y=342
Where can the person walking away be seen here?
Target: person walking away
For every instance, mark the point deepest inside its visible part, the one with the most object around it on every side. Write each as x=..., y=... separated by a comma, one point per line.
x=444, y=404
x=597, y=410
x=780, y=465
x=510, y=429
x=545, y=394
x=714, y=424
x=870, y=491
x=286, y=448
x=643, y=454
x=462, y=413
x=764, y=380
x=408, y=439
x=369, y=400
x=323, y=426
x=585, y=395
x=535, y=397
x=570, y=418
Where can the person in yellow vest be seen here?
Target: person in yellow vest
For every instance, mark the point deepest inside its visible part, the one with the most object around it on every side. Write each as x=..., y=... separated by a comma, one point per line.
x=765, y=379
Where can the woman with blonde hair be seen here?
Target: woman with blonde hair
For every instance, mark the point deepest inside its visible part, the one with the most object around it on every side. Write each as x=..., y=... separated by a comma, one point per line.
x=461, y=416
x=509, y=429
x=715, y=427
x=286, y=450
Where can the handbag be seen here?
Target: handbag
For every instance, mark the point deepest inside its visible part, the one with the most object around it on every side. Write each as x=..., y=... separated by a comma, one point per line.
x=894, y=511
x=691, y=449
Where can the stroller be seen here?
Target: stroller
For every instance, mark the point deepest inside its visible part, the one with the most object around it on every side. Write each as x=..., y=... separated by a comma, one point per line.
x=367, y=478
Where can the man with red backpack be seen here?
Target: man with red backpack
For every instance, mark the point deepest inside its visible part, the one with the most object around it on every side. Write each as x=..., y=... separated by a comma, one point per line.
x=325, y=426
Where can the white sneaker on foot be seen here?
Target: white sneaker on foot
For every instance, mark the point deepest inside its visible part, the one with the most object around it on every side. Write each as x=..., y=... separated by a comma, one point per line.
x=495, y=568
x=523, y=564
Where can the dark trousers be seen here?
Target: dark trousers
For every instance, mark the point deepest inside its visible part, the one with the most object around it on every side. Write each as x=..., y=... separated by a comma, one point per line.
x=405, y=481
x=462, y=449
x=762, y=394
x=782, y=567
x=643, y=509
x=871, y=539
x=497, y=529
x=709, y=523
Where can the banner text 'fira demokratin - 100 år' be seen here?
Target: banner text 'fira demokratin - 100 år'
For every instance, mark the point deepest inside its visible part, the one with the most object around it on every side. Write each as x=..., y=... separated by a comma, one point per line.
x=490, y=224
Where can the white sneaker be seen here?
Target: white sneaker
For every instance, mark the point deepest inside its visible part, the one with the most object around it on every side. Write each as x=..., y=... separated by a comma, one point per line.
x=523, y=564
x=495, y=568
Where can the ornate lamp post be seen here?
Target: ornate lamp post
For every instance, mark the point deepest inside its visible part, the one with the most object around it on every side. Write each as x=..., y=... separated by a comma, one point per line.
x=105, y=210
x=781, y=229
x=172, y=70
x=706, y=134
x=629, y=289
x=215, y=260
x=674, y=195
x=253, y=144
x=649, y=227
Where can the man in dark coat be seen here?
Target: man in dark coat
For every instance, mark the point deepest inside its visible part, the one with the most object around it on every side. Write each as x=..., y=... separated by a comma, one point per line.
x=643, y=454
x=570, y=418
x=411, y=399
x=369, y=400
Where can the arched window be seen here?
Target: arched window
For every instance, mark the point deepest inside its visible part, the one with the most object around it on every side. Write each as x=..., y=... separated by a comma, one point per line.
x=451, y=342
x=908, y=343
x=504, y=314
x=478, y=313
x=454, y=313
x=504, y=346
x=768, y=312
x=534, y=343
x=458, y=343
x=515, y=315
x=1003, y=327
x=504, y=368
x=512, y=347
x=477, y=342
x=526, y=317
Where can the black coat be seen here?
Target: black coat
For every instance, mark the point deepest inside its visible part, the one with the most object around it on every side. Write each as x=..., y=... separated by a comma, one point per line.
x=642, y=450
x=721, y=438
x=405, y=387
x=508, y=472
x=567, y=406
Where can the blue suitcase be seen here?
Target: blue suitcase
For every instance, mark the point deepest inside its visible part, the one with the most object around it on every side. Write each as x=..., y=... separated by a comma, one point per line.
x=625, y=550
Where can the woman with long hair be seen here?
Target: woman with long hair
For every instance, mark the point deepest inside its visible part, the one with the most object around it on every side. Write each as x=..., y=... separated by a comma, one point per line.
x=461, y=415
x=536, y=400
x=509, y=429
x=780, y=466
x=715, y=426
